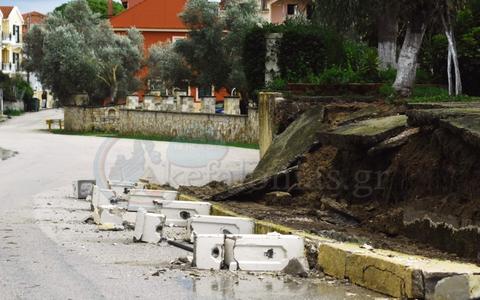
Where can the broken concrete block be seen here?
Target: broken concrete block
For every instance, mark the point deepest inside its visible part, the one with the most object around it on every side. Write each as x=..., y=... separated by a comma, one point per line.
x=121, y=187
x=139, y=221
x=219, y=225
x=152, y=228
x=208, y=251
x=102, y=196
x=108, y=214
x=278, y=198
x=458, y=287
x=83, y=188
x=148, y=227
x=144, y=198
x=366, y=133
x=178, y=212
x=264, y=252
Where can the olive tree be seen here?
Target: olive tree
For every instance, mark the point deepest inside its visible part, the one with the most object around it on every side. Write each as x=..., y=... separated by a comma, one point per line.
x=213, y=49
x=77, y=52
x=166, y=66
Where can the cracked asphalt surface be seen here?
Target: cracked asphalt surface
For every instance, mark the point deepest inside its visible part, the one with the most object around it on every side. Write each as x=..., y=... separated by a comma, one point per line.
x=47, y=252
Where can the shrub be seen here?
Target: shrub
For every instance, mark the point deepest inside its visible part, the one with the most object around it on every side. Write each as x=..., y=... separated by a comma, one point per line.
x=278, y=84
x=308, y=49
x=253, y=58
x=362, y=60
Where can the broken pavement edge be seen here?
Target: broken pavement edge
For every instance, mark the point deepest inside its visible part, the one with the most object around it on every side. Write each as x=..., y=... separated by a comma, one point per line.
x=391, y=273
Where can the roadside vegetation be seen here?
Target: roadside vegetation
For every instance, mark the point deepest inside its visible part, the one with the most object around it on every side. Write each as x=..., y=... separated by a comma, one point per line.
x=154, y=138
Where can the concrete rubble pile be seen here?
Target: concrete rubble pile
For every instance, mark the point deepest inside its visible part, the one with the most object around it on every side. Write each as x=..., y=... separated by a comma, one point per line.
x=219, y=242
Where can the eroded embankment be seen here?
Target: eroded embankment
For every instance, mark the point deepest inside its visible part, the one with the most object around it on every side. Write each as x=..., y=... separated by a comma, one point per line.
x=385, y=178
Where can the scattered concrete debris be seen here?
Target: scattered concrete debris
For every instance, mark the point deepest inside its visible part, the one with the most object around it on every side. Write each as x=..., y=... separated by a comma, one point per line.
x=109, y=214
x=296, y=268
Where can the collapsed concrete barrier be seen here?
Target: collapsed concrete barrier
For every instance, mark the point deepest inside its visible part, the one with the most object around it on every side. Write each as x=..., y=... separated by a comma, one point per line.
x=263, y=252
x=120, y=187
x=144, y=198
x=148, y=227
x=248, y=252
x=178, y=212
x=202, y=224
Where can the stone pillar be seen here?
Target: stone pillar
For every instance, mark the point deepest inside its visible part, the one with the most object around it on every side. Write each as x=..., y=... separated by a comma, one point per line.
x=231, y=106
x=186, y=104
x=168, y=104
x=271, y=60
x=148, y=102
x=266, y=119
x=132, y=102
x=208, y=105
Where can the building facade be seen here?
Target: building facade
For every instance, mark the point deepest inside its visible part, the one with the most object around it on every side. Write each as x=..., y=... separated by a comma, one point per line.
x=43, y=95
x=278, y=11
x=12, y=39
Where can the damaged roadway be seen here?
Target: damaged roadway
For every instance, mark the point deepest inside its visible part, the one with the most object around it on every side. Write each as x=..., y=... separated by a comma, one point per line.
x=48, y=253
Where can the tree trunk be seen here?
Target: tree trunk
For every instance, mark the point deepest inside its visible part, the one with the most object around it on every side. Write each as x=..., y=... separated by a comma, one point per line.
x=407, y=61
x=387, y=27
x=452, y=56
x=449, y=71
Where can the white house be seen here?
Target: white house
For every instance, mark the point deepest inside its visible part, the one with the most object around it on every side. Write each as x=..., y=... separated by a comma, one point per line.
x=12, y=39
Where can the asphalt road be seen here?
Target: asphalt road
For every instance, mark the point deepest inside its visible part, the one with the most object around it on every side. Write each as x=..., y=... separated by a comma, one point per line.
x=46, y=252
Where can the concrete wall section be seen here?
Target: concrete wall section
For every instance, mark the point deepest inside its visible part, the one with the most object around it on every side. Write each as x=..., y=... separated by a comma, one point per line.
x=181, y=125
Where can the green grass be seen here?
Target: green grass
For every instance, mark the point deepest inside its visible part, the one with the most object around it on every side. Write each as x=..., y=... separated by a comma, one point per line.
x=437, y=94
x=154, y=138
x=13, y=112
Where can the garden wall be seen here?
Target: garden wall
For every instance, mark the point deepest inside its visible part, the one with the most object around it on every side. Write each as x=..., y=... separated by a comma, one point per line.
x=182, y=125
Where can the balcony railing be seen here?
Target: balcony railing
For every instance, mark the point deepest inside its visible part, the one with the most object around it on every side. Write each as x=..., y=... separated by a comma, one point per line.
x=10, y=67
x=8, y=37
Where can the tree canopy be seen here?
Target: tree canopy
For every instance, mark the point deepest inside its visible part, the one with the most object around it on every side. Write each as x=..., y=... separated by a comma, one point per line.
x=97, y=6
x=213, y=49
x=77, y=52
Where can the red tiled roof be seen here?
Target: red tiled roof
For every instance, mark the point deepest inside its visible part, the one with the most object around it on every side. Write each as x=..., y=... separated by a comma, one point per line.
x=6, y=10
x=151, y=14
x=33, y=13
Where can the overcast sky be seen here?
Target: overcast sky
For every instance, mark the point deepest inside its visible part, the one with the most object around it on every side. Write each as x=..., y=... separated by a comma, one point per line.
x=43, y=6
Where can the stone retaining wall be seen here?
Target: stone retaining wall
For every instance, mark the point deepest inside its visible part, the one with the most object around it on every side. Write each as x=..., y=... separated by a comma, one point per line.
x=91, y=118
x=182, y=125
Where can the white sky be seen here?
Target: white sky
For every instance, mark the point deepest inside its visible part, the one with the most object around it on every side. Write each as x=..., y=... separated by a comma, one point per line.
x=43, y=6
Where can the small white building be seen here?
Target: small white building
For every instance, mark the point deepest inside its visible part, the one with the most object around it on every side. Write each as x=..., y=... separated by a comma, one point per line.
x=11, y=39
